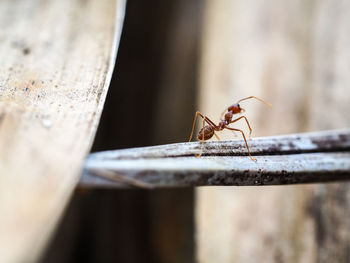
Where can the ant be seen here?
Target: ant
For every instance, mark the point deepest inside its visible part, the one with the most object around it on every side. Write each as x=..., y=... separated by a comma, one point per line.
x=209, y=130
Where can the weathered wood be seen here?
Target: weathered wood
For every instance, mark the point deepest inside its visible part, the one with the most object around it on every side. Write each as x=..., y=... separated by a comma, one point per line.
x=134, y=225
x=56, y=61
x=293, y=54
x=288, y=159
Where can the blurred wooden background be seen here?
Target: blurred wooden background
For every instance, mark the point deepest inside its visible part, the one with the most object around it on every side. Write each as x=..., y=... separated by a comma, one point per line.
x=296, y=55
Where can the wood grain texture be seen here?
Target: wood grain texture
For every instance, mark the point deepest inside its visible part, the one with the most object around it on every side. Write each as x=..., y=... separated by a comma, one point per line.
x=295, y=55
x=56, y=61
x=309, y=142
x=289, y=159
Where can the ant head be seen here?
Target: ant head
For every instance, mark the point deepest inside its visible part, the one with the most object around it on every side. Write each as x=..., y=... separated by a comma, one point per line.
x=235, y=108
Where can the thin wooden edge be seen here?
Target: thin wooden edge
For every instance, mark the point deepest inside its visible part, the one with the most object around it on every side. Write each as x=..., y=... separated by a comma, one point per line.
x=119, y=19
x=232, y=147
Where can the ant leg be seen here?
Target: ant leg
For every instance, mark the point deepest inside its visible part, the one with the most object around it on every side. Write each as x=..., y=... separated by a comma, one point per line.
x=206, y=119
x=246, y=144
x=211, y=123
x=194, y=123
x=217, y=137
x=250, y=129
x=202, y=140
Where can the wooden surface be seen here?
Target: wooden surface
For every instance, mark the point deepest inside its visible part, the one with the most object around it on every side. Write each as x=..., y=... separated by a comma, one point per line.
x=56, y=60
x=290, y=159
x=295, y=55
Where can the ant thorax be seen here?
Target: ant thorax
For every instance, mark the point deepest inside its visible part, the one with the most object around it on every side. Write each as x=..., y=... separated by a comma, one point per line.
x=222, y=124
x=228, y=116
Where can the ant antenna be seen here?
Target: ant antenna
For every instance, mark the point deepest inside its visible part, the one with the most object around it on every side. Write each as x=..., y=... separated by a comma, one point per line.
x=250, y=97
x=253, y=97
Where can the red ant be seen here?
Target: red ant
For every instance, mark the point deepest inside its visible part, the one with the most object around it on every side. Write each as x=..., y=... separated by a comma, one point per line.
x=209, y=130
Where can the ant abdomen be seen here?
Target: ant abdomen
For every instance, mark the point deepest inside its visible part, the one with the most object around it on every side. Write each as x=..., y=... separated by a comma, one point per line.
x=207, y=131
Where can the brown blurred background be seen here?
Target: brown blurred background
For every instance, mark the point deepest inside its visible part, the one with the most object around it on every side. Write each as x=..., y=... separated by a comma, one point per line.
x=179, y=56
x=151, y=101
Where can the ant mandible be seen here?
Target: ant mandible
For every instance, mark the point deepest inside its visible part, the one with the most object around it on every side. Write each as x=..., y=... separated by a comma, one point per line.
x=209, y=130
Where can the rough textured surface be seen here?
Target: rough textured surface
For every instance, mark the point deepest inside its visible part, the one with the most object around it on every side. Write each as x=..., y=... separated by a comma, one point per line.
x=289, y=159
x=154, y=85
x=209, y=171
x=56, y=59
x=337, y=140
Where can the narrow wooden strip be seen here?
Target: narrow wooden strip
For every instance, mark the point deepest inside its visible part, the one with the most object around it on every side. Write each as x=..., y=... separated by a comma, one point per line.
x=285, y=144
x=223, y=170
x=299, y=158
